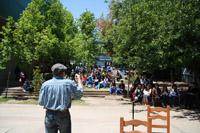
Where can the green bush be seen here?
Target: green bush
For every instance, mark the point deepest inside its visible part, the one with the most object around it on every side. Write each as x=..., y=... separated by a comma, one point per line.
x=37, y=79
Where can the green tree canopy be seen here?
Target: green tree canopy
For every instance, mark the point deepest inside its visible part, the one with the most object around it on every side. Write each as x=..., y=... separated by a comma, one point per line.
x=7, y=47
x=87, y=23
x=85, y=49
x=155, y=34
x=41, y=35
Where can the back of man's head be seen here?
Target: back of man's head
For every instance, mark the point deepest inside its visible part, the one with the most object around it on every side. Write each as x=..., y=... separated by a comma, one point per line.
x=58, y=69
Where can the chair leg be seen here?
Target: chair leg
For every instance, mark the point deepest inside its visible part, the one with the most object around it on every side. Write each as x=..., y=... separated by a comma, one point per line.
x=121, y=125
x=149, y=128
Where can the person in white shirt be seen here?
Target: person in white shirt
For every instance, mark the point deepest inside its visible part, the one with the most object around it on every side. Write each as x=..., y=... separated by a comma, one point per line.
x=146, y=94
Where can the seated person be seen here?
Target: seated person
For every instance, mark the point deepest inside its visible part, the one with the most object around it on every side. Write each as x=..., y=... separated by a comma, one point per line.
x=146, y=94
x=27, y=86
x=155, y=95
x=173, y=94
x=84, y=79
x=164, y=96
x=138, y=93
x=22, y=78
x=90, y=81
x=109, y=77
x=191, y=97
x=113, y=87
x=121, y=89
x=102, y=84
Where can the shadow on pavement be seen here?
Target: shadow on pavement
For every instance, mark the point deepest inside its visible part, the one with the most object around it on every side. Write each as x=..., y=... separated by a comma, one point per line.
x=186, y=113
x=139, y=110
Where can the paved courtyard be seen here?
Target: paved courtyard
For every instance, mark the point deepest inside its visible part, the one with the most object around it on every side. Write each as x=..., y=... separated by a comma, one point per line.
x=96, y=115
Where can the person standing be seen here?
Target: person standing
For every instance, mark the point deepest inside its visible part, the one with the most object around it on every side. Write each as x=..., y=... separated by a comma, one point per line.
x=55, y=96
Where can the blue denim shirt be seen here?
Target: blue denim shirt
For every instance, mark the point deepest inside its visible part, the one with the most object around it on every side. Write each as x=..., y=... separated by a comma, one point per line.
x=57, y=93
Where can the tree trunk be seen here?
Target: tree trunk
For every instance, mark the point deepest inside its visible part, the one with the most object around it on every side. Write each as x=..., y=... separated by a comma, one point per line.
x=128, y=83
x=8, y=78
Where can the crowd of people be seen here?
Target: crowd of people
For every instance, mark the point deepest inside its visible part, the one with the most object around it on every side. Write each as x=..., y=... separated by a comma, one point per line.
x=142, y=90
x=153, y=94
x=98, y=77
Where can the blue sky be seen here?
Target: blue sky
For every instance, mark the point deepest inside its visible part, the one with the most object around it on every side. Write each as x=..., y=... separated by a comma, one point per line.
x=77, y=7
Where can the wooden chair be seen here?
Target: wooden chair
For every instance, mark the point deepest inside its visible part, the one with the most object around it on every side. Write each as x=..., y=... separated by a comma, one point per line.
x=136, y=123
x=154, y=116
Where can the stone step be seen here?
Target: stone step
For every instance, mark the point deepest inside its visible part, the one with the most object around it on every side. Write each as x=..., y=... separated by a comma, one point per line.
x=96, y=92
x=102, y=96
x=20, y=93
x=85, y=93
x=17, y=92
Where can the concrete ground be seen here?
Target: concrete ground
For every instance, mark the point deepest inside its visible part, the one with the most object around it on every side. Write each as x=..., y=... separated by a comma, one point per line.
x=97, y=115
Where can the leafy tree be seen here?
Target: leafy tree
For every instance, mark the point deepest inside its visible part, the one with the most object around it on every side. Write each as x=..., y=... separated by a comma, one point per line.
x=85, y=49
x=7, y=48
x=156, y=34
x=41, y=36
x=45, y=30
x=29, y=28
x=63, y=27
x=104, y=24
x=87, y=23
x=37, y=79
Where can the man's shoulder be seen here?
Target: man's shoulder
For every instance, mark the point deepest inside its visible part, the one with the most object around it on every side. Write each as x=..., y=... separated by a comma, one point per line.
x=47, y=82
x=56, y=81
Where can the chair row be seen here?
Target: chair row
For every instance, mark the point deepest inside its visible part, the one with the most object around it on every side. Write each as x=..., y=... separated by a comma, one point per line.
x=152, y=114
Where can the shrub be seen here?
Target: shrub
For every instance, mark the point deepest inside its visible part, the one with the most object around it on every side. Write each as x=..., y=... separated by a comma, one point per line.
x=37, y=78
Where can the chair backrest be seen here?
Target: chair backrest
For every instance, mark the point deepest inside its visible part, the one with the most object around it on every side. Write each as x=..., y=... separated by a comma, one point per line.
x=153, y=113
x=135, y=123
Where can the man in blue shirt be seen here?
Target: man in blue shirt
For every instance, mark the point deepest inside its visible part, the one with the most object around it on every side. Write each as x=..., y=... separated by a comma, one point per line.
x=55, y=96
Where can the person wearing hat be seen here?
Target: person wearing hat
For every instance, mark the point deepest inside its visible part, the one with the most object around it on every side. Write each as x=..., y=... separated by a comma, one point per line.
x=55, y=96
